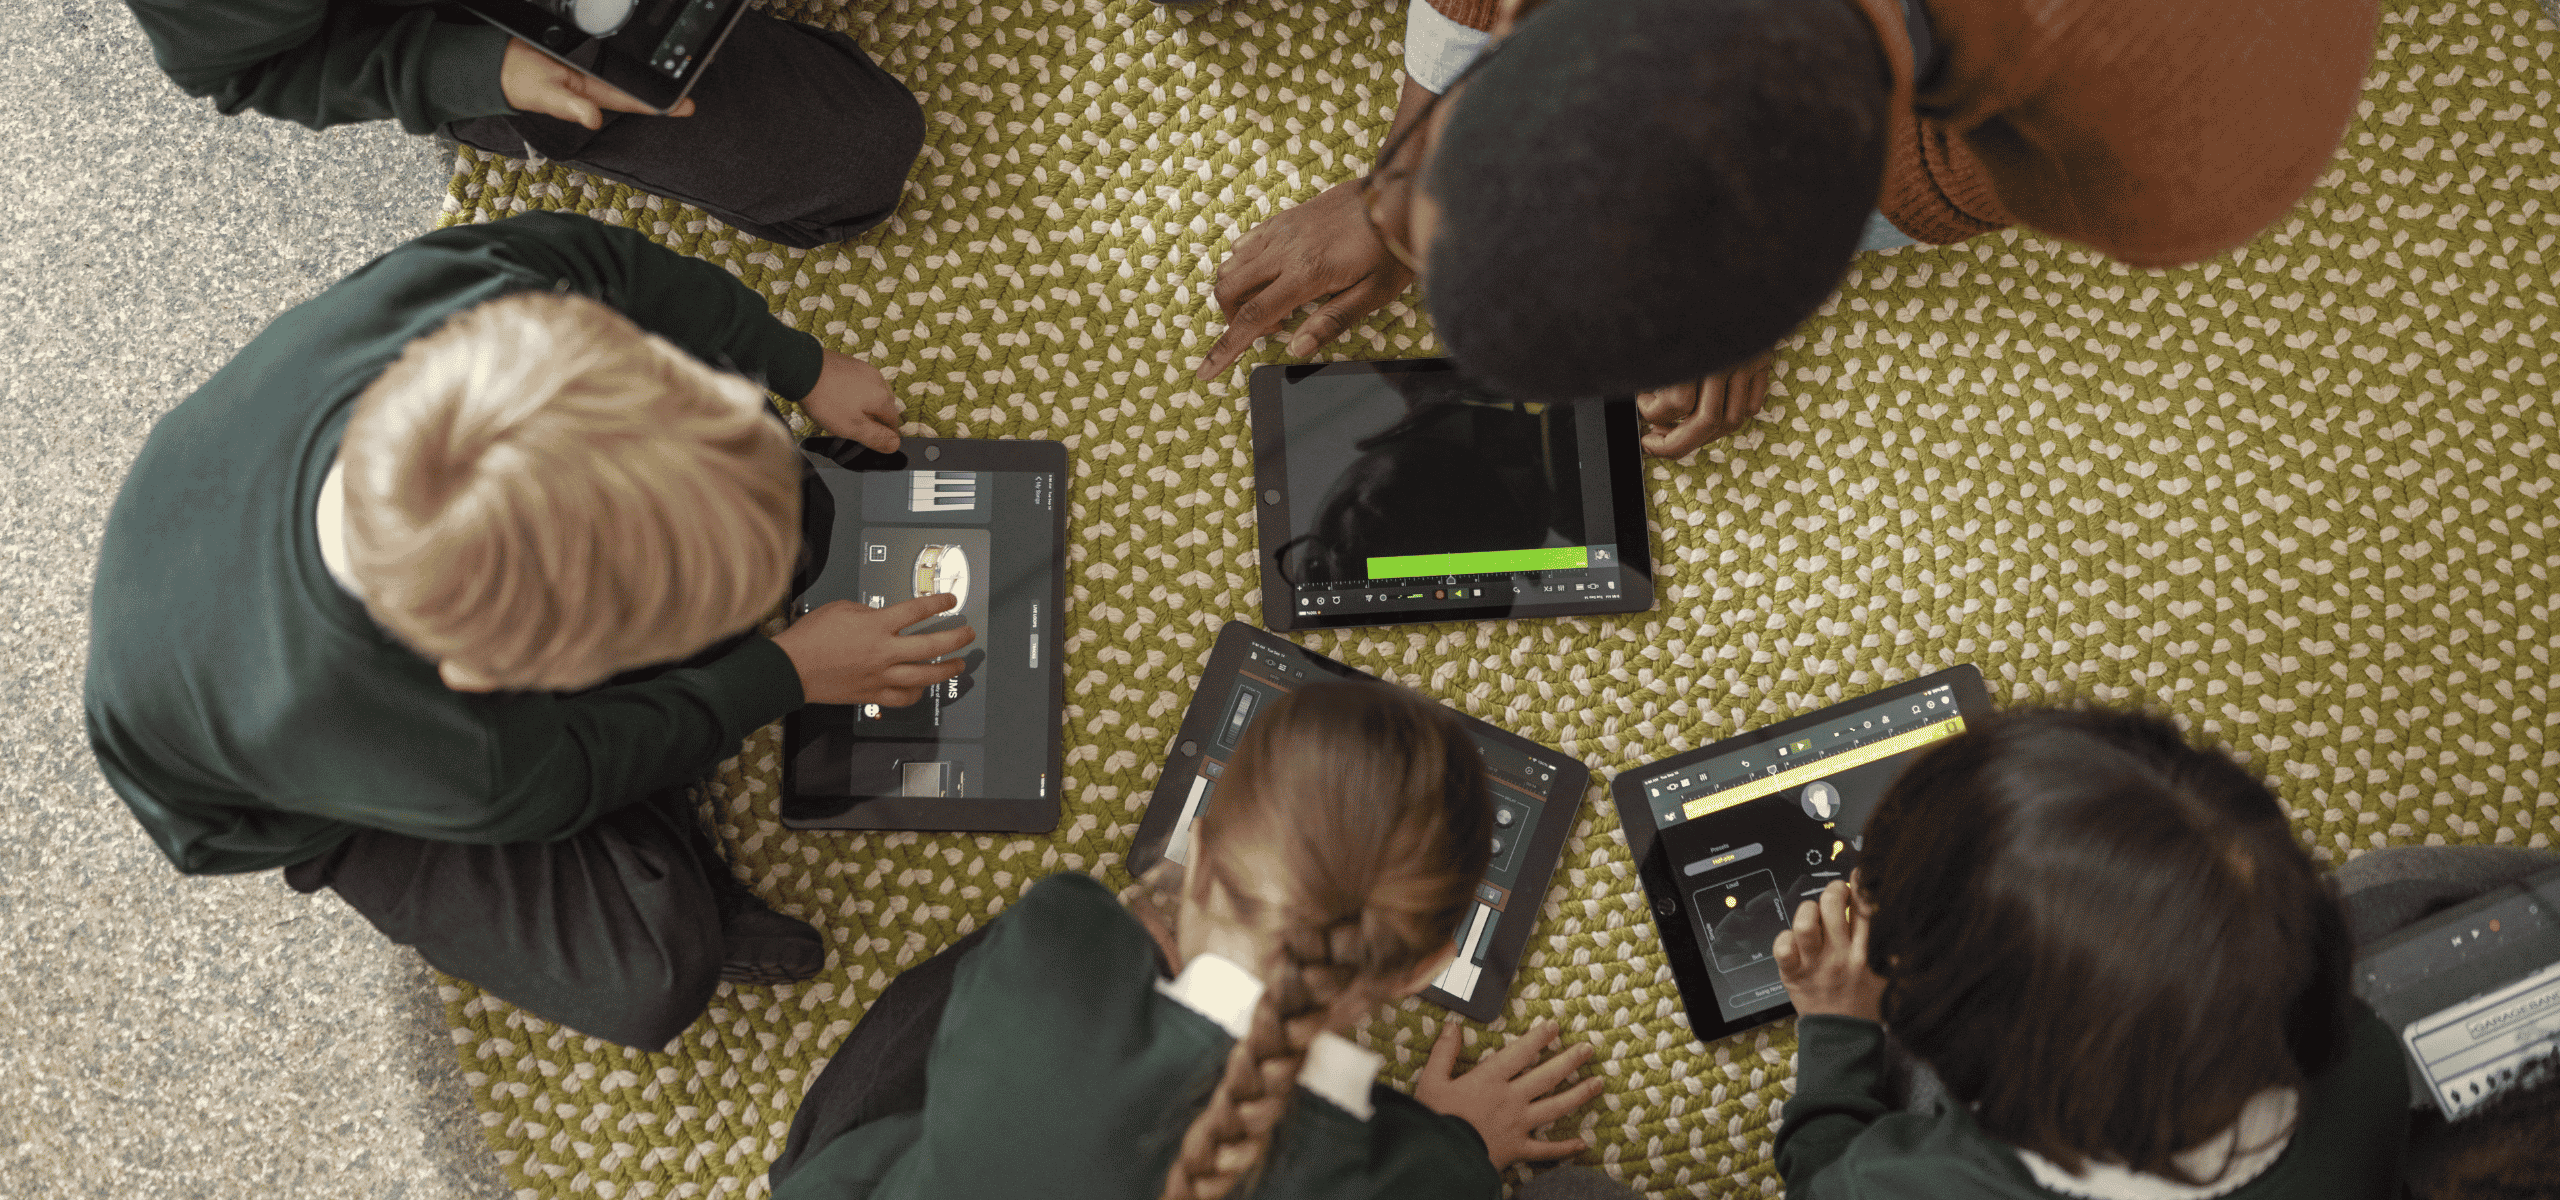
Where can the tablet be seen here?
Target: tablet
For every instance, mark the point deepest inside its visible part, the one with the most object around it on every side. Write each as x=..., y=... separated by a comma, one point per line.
x=1537, y=793
x=1730, y=838
x=652, y=49
x=982, y=521
x=1397, y=492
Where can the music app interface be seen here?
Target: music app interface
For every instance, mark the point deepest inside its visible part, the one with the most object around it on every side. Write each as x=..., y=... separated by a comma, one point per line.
x=983, y=537
x=1519, y=783
x=1789, y=815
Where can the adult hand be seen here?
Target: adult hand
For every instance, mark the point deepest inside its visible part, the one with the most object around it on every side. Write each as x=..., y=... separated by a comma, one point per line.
x=535, y=82
x=851, y=400
x=1823, y=959
x=850, y=653
x=1506, y=1096
x=1321, y=248
x=1685, y=416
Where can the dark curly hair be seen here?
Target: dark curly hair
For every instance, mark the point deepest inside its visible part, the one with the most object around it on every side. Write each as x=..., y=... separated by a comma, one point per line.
x=1636, y=193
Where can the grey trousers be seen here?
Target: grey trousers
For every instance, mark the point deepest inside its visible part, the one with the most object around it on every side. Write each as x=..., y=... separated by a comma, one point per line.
x=797, y=137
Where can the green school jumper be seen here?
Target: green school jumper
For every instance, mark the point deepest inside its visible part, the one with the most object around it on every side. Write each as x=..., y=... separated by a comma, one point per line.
x=1841, y=1140
x=323, y=62
x=1061, y=1072
x=248, y=710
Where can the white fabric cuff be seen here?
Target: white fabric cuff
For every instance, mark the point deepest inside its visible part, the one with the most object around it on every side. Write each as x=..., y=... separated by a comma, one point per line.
x=1219, y=988
x=1437, y=48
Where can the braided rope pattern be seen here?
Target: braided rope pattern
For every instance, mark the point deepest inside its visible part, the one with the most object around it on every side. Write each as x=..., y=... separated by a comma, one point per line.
x=2300, y=496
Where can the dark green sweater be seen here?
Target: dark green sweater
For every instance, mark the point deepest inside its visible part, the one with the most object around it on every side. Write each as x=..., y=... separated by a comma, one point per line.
x=1061, y=1072
x=1842, y=1140
x=244, y=705
x=320, y=63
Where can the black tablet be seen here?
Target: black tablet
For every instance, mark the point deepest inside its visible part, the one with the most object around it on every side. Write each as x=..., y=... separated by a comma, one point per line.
x=1730, y=838
x=985, y=522
x=1537, y=792
x=1397, y=492
x=652, y=49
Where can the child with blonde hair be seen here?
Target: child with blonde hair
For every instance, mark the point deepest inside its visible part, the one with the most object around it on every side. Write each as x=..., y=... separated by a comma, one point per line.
x=441, y=595
x=1071, y=1048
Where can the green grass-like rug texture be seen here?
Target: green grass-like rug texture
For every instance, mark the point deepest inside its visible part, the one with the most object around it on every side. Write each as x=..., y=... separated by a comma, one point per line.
x=2299, y=496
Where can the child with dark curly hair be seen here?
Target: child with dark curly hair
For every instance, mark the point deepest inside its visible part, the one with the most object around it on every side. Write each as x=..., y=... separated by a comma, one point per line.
x=2128, y=976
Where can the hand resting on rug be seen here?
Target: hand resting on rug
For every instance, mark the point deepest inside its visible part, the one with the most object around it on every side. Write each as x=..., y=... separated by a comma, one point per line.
x=1685, y=416
x=1510, y=1094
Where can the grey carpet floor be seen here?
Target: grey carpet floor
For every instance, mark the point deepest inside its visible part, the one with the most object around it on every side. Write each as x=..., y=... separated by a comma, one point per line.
x=161, y=1036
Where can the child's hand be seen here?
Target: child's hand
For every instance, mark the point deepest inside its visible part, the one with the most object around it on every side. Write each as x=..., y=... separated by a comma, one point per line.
x=1501, y=1096
x=850, y=653
x=535, y=82
x=1823, y=960
x=851, y=400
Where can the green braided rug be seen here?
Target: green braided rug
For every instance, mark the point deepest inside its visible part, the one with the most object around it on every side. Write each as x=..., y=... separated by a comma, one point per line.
x=2300, y=496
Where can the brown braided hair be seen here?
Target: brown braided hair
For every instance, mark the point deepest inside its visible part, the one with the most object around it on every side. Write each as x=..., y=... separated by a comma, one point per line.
x=1364, y=808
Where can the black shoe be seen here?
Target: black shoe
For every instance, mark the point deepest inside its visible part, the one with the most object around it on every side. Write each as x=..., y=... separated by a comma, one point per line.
x=765, y=947
x=761, y=946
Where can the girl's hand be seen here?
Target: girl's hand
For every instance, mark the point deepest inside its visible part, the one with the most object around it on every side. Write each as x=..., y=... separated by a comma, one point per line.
x=1506, y=1096
x=1823, y=960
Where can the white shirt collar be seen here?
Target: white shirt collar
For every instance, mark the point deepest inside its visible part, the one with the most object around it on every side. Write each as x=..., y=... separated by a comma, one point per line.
x=2238, y=1155
x=1336, y=1070
x=329, y=521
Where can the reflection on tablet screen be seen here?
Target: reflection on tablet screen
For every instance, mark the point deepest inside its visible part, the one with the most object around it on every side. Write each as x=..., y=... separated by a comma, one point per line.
x=1420, y=490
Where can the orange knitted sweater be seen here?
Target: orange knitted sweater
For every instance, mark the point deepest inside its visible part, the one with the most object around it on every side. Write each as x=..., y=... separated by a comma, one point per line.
x=2159, y=132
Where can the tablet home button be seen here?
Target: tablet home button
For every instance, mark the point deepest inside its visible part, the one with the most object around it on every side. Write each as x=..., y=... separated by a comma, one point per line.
x=1271, y=496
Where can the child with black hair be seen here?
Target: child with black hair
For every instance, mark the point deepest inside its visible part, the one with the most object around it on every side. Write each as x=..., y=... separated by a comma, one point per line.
x=2129, y=978
x=1049, y=1054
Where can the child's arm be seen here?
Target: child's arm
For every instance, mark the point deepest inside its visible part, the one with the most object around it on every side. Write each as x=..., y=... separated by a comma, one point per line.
x=1839, y=1045
x=685, y=300
x=320, y=64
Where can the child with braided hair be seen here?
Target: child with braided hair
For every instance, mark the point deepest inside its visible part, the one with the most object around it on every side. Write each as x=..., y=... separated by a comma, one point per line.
x=1049, y=1053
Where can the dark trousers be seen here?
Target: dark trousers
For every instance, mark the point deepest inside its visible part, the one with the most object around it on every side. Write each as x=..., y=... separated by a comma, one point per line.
x=613, y=932
x=879, y=1069
x=797, y=137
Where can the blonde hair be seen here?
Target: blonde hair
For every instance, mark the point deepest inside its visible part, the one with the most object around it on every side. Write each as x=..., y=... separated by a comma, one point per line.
x=544, y=494
x=1367, y=804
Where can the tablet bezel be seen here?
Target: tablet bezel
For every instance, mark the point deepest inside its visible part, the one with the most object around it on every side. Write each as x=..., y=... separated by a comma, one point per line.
x=625, y=66
x=1662, y=893
x=1543, y=855
x=991, y=814
x=1622, y=428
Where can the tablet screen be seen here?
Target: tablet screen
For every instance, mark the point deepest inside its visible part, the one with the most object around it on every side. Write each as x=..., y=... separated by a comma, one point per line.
x=652, y=49
x=1413, y=494
x=1525, y=796
x=986, y=537
x=1749, y=833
